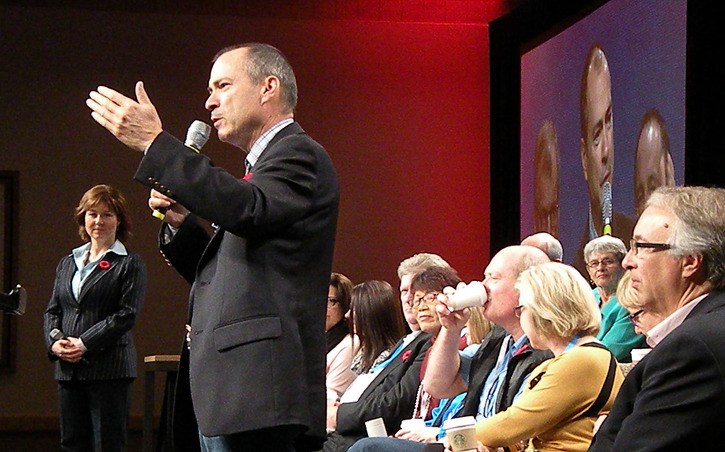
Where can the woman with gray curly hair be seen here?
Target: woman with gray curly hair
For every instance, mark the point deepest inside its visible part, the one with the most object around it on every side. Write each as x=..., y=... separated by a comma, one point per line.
x=603, y=256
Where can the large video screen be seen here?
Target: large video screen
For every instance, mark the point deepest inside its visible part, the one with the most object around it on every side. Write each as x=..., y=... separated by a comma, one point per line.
x=595, y=143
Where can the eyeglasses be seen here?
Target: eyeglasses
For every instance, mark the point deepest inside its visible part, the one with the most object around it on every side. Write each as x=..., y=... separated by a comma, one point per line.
x=608, y=262
x=518, y=309
x=332, y=301
x=634, y=246
x=634, y=316
x=429, y=299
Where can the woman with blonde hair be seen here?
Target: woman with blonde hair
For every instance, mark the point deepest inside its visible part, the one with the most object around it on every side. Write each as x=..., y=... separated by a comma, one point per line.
x=627, y=296
x=565, y=395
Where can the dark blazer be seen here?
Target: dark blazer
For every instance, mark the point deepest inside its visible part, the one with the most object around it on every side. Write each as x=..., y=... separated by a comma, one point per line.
x=674, y=399
x=258, y=299
x=102, y=317
x=391, y=395
x=484, y=362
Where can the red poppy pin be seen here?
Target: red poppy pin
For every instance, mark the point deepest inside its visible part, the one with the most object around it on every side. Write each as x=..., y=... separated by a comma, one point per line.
x=105, y=265
x=247, y=176
x=405, y=355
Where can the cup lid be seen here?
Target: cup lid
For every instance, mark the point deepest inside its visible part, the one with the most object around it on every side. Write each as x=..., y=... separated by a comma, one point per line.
x=465, y=421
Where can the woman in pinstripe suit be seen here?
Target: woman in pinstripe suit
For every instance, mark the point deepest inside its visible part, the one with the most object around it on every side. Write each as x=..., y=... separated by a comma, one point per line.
x=97, y=295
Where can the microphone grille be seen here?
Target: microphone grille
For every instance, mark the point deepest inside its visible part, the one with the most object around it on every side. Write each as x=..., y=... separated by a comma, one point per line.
x=198, y=134
x=607, y=202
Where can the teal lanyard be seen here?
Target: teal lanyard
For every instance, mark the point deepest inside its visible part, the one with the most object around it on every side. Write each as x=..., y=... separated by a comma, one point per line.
x=572, y=342
x=387, y=361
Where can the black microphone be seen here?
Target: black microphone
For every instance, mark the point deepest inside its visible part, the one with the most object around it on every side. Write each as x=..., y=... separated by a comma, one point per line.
x=196, y=138
x=607, y=207
x=57, y=335
x=14, y=301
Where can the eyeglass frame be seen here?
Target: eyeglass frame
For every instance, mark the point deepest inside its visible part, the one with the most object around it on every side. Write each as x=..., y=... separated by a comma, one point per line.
x=634, y=246
x=332, y=301
x=415, y=303
x=517, y=310
x=634, y=316
x=611, y=261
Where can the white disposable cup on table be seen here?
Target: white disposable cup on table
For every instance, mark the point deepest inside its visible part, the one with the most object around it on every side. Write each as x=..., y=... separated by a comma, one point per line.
x=412, y=425
x=461, y=433
x=376, y=428
x=639, y=353
x=465, y=295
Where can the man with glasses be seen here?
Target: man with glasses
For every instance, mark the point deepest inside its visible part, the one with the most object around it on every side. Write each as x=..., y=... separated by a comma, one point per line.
x=675, y=397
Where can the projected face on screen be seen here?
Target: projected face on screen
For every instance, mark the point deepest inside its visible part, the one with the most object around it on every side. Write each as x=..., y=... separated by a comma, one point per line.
x=653, y=161
x=597, y=146
x=546, y=182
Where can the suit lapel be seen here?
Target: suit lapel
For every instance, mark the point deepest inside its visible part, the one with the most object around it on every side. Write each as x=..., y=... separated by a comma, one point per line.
x=403, y=357
x=98, y=273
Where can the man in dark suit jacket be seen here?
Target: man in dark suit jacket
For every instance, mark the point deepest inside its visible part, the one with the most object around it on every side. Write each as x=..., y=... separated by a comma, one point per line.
x=258, y=300
x=674, y=399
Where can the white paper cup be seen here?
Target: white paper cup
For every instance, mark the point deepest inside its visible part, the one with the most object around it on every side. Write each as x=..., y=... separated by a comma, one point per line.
x=639, y=353
x=461, y=433
x=466, y=295
x=412, y=425
x=376, y=428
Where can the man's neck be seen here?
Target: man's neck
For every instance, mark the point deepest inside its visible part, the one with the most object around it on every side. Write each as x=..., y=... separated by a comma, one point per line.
x=516, y=332
x=691, y=293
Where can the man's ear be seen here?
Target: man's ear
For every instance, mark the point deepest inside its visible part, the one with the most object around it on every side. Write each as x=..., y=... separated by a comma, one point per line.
x=270, y=88
x=691, y=264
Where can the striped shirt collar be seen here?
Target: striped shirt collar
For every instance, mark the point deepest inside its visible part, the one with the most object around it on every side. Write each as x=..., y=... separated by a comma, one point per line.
x=80, y=253
x=258, y=147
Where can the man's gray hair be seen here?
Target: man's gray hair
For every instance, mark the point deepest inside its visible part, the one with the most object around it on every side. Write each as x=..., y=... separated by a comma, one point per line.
x=265, y=60
x=546, y=243
x=700, y=226
x=419, y=263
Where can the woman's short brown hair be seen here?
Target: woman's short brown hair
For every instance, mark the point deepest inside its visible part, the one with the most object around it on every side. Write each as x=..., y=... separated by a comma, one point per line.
x=115, y=201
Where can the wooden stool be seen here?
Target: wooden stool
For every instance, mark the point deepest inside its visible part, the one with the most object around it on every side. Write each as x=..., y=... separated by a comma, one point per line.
x=168, y=364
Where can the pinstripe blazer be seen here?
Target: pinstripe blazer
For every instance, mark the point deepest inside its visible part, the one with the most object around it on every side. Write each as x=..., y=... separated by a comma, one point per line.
x=102, y=317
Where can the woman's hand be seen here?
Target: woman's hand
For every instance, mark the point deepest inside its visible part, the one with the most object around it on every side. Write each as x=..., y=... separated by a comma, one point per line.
x=68, y=350
x=423, y=435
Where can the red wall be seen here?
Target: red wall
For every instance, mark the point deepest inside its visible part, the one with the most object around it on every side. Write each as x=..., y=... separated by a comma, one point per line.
x=401, y=107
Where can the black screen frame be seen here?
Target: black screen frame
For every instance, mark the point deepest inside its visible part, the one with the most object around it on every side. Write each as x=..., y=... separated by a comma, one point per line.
x=535, y=22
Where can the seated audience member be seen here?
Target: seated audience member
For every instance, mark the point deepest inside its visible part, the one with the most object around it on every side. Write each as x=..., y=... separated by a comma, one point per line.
x=546, y=243
x=477, y=328
x=425, y=287
x=373, y=323
x=389, y=375
x=492, y=374
x=627, y=297
x=674, y=398
x=603, y=257
x=565, y=394
x=341, y=344
x=407, y=270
